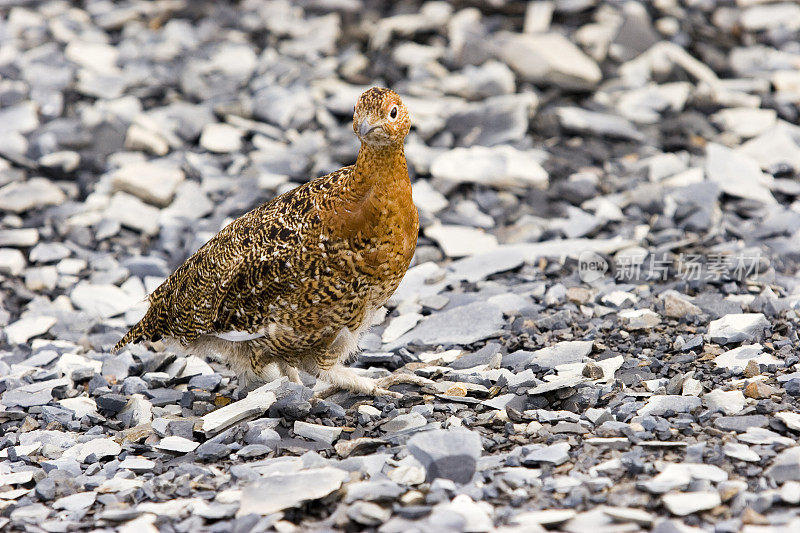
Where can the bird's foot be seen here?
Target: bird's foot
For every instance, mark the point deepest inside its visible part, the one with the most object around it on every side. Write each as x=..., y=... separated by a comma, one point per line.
x=344, y=378
x=382, y=391
x=402, y=378
x=370, y=387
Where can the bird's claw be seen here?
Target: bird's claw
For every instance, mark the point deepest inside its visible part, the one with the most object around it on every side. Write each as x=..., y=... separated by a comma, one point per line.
x=404, y=378
x=376, y=387
x=380, y=391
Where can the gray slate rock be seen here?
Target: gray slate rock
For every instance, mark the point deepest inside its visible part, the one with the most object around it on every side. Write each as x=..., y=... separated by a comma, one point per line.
x=285, y=490
x=738, y=328
x=450, y=454
x=461, y=325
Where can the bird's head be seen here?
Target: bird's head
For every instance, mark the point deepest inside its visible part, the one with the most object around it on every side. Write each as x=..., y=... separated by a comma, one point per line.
x=380, y=118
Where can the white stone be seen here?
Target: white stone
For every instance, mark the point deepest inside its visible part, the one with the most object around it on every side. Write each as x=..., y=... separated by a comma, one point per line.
x=221, y=138
x=427, y=198
x=774, y=146
x=546, y=517
x=236, y=60
x=476, y=514
x=284, y=490
x=71, y=266
x=639, y=318
x=687, y=177
x=190, y=203
x=738, y=358
x=19, y=118
x=104, y=447
x=738, y=327
x=597, y=123
x=790, y=418
x=498, y=166
x=119, y=484
x=790, y=492
x=677, y=306
x=22, y=237
x=692, y=387
x=432, y=16
x=730, y=402
x=22, y=449
x=740, y=452
x=317, y=432
x=137, y=464
x=787, y=81
x=547, y=58
x=139, y=137
x=27, y=327
x=138, y=409
x=761, y=18
x=16, y=478
x=133, y=213
x=619, y=298
x=18, y=197
x=400, y=325
x=460, y=241
x=49, y=252
x=80, y=405
x=12, y=262
x=538, y=16
x=555, y=454
x=660, y=404
x=664, y=165
x=75, y=502
x=369, y=411
x=682, y=504
x=409, y=471
x=102, y=300
x=764, y=436
x=154, y=183
x=560, y=353
x=510, y=303
x=737, y=174
x=99, y=57
x=745, y=121
x=177, y=444
x=644, y=105
x=256, y=403
x=629, y=514
x=39, y=279
x=785, y=466
x=70, y=362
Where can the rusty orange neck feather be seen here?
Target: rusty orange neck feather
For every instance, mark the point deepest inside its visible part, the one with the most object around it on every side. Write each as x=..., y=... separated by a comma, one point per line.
x=376, y=166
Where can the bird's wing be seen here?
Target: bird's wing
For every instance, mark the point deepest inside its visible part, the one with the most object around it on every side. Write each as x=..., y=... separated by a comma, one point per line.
x=228, y=286
x=247, y=292
x=224, y=286
x=278, y=243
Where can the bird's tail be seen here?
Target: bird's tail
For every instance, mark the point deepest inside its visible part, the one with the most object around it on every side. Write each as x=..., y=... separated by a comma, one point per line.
x=142, y=329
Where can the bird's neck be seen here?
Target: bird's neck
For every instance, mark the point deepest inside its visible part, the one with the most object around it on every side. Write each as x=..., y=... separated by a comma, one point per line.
x=376, y=166
x=375, y=196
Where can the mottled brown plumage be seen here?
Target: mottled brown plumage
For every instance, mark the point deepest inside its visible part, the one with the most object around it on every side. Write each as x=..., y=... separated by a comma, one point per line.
x=293, y=283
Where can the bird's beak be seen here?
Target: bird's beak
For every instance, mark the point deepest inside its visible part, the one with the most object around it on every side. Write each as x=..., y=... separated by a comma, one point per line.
x=365, y=128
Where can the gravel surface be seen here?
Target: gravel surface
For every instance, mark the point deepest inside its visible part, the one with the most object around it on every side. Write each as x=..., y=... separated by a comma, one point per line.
x=605, y=290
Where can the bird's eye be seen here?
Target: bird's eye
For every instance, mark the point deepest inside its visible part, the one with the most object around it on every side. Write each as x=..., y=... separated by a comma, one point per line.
x=393, y=112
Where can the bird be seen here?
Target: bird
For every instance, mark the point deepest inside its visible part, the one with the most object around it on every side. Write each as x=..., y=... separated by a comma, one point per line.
x=293, y=284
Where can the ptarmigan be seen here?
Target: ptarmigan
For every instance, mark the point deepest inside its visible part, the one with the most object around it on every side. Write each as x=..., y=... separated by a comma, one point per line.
x=294, y=283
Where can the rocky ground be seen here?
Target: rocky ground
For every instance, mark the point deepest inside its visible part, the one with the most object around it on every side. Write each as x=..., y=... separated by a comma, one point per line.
x=604, y=291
